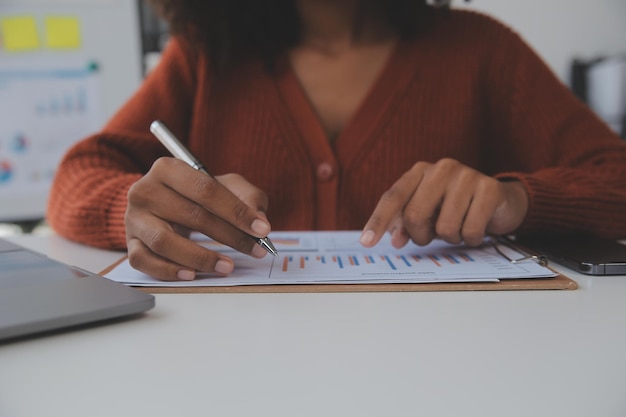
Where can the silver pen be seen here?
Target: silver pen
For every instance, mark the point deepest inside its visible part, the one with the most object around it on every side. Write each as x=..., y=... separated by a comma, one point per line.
x=179, y=151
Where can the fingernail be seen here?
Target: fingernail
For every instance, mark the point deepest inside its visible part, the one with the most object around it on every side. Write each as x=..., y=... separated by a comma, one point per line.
x=258, y=251
x=260, y=227
x=186, y=275
x=367, y=238
x=224, y=267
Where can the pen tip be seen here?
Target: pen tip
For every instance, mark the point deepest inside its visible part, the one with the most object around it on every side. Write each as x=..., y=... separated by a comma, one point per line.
x=267, y=244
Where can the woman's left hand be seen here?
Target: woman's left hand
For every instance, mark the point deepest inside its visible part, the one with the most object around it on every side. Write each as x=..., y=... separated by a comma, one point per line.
x=446, y=200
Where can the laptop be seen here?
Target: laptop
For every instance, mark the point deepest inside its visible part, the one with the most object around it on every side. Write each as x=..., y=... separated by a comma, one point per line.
x=39, y=294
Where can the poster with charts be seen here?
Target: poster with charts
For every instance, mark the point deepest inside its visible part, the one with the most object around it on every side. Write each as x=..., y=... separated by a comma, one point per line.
x=44, y=109
x=339, y=258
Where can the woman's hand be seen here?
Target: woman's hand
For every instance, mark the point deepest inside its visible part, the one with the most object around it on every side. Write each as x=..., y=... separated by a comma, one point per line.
x=173, y=197
x=446, y=200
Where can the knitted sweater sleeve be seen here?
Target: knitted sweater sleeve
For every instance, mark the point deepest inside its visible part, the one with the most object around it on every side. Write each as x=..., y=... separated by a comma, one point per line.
x=571, y=163
x=88, y=196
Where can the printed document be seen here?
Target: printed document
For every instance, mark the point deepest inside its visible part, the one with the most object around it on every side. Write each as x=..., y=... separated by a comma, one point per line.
x=339, y=258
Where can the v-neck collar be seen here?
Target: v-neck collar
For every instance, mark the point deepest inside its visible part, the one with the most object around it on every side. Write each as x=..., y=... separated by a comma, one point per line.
x=376, y=107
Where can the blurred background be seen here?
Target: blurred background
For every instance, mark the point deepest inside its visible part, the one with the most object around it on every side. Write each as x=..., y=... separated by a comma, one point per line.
x=67, y=65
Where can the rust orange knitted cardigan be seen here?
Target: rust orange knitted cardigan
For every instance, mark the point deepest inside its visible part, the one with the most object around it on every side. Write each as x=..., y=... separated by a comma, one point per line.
x=469, y=89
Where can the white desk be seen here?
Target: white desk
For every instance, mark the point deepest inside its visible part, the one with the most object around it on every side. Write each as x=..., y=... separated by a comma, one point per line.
x=535, y=353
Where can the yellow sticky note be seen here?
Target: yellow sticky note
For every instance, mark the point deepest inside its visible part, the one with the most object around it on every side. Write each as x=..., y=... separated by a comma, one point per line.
x=19, y=33
x=62, y=32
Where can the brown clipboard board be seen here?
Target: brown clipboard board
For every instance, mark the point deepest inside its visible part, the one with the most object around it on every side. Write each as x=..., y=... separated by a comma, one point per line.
x=559, y=282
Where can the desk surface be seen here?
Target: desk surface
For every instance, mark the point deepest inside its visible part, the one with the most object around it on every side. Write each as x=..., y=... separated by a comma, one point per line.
x=526, y=353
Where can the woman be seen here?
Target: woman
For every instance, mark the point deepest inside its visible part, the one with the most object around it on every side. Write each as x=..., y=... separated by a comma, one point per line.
x=339, y=114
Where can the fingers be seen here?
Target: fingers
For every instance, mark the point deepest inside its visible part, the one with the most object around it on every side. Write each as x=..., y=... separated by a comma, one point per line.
x=391, y=206
x=177, y=193
x=214, y=197
x=172, y=208
x=409, y=209
x=165, y=255
x=172, y=199
x=244, y=191
x=511, y=212
x=484, y=202
x=447, y=200
x=468, y=203
x=399, y=235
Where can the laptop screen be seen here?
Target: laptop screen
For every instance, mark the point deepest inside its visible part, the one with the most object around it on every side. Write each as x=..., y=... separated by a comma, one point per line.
x=39, y=294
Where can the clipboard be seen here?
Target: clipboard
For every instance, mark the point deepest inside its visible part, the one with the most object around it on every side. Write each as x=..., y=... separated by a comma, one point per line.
x=558, y=282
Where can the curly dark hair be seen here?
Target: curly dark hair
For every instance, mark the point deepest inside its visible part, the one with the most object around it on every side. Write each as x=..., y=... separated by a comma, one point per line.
x=235, y=30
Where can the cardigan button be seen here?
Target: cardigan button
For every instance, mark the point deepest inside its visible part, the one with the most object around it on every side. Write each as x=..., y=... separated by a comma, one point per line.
x=325, y=171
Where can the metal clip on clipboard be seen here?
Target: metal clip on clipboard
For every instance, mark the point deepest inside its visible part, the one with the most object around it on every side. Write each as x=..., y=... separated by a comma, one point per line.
x=527, y=255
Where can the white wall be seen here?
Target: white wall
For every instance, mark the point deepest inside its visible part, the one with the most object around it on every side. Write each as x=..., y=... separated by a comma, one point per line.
x=560, y=30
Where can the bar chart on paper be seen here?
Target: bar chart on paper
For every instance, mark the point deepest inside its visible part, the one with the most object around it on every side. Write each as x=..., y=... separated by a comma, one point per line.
x=337, y=257
x=371, y=264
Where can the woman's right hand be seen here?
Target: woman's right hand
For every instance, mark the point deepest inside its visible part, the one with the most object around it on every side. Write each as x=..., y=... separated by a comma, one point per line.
x=173, y=197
